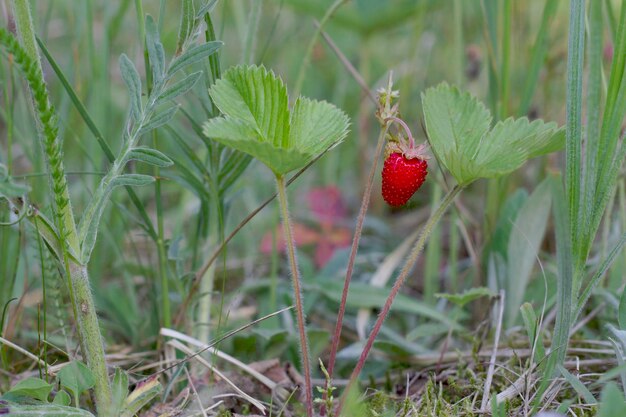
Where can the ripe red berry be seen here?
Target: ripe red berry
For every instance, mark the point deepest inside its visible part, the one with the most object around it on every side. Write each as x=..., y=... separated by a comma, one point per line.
x=402, y=177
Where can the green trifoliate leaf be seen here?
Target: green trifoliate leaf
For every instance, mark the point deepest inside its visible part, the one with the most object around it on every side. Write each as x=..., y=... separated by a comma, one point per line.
x=240, y=136
x=458, y=129
x=257, y=120
x=316, y=126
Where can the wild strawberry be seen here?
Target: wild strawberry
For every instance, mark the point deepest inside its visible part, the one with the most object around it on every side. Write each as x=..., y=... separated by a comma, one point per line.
x=402, y=177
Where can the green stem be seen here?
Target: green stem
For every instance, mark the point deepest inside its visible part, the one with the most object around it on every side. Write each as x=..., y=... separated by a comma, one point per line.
x=506, y=59
x=203, y=320
x=404, y=273
x=92, y=345
x=251, y=33
x=77, y=277
x=25, y=28
x=297, y=292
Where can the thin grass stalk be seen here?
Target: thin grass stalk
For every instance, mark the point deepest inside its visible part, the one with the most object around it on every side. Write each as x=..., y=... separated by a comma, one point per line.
x=44, y=301
x=160, y=238
x=77, y=277
x=432, y=256
x=404, y=273
x=297, y=292
x=309, y=50
x=573, y=121
x=540, y=48
x=564, y=290
x=594, y=90
x=203, y=320
x=505, y=71
x=249, y=47
x=354, y=248
x=457, y=10
x=568, y=273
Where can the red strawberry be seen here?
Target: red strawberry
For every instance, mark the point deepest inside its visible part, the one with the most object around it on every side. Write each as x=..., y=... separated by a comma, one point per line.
x=402, y=177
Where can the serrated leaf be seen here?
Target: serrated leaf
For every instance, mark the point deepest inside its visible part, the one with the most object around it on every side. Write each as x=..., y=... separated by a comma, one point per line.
x=37, y=410
x=133, y=83
x=257, y=120
x=456, y=122
x=458, y=130
x=511, y=142
x=180, y=87
x=258, y=98
x=242, y=137
x=467, y=296
x=193, y=55
x=155, y=50
x=150, y=156
x=133, y=180
x=76, y=378
x=158, y=120
x=316, y=126
x=33, y=388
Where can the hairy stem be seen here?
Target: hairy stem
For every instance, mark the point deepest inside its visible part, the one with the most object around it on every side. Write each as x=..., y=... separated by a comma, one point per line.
x=76, y=274
x=353, y=250
x=297, y=292
x=91, y=338
x=404, y=273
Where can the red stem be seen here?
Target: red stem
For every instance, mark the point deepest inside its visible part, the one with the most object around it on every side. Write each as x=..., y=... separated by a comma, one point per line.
x=406, y=129
x=355, y=246
x=406, y=269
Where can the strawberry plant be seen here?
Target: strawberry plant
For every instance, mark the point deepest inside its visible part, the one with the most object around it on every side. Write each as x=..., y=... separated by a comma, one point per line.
x=463, y=141
x=256, y=120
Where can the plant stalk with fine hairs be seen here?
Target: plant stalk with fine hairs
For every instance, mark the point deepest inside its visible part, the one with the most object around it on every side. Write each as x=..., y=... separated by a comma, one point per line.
x=77, y=277
x=404, y=273
x=297, y=291
x=353, y=250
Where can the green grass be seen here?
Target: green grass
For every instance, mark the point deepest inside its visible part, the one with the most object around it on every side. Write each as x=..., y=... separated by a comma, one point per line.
x=184, y=252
